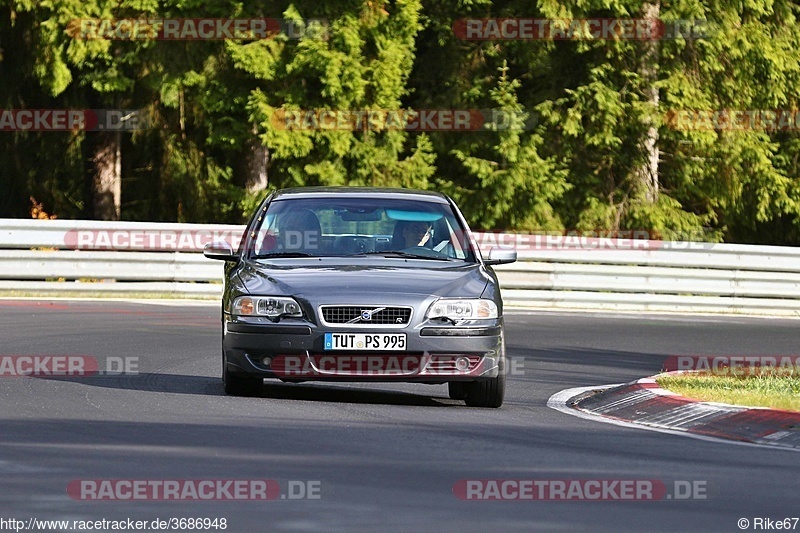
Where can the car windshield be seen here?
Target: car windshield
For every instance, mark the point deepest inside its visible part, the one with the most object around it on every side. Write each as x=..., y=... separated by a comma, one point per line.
x=387, y=227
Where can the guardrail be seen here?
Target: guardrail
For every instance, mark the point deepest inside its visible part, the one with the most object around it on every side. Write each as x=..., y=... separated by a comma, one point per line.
x=140, y=258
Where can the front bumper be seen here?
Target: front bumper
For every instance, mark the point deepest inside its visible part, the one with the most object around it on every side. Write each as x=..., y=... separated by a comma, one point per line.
x=434, y=353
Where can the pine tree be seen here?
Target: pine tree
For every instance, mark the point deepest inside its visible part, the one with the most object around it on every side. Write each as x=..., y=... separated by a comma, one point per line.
x=359, y=62
x=514, y=187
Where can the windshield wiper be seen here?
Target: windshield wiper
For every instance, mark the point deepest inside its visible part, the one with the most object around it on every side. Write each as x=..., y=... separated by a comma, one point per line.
x=283, y=254
x=405, y=255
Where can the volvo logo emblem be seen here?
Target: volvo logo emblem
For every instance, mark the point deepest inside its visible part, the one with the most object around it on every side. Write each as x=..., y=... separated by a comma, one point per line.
x=365, y=315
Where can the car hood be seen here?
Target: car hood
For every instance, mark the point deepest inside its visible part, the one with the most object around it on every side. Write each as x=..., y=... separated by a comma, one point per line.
x=333, y=279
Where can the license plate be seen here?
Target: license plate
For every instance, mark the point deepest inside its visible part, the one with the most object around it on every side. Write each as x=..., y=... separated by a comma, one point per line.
x=365, y=341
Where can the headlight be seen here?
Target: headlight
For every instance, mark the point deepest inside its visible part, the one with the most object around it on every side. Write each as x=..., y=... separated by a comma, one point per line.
x=462, y=309
x=268, y=306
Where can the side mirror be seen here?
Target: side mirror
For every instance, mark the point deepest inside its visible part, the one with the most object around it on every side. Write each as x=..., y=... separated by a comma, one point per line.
x=499, y=256
x=219, y=250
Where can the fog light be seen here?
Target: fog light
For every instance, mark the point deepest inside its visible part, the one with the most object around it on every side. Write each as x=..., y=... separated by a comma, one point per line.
x=267, y=361
x=462, y=364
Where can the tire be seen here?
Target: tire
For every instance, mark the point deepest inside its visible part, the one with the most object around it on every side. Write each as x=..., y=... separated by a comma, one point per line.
x=489, y=393
x=457, y=390
x=237, y=384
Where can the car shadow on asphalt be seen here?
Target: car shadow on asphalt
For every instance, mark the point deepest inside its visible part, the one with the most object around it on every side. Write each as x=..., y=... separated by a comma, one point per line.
x=339, y=394
x=212, y=386
x=148, y=382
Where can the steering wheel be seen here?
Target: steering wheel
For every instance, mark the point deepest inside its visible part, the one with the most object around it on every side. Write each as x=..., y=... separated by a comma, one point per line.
x=422, y=250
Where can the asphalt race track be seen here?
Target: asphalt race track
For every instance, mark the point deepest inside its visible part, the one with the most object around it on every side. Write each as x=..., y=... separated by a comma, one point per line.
x=374, y=456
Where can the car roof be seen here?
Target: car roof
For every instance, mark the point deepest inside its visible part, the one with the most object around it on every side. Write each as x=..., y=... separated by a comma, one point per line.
x=360, y=192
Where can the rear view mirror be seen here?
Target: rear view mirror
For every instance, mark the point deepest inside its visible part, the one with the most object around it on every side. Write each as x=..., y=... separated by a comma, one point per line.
x=355, y=216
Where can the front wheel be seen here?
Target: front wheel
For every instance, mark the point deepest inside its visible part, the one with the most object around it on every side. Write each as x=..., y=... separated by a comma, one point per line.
x=489, y=393
x=239, y=385
x=457, y=390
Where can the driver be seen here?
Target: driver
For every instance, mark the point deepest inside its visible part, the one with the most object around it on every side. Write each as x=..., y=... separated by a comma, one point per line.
x=416, y=233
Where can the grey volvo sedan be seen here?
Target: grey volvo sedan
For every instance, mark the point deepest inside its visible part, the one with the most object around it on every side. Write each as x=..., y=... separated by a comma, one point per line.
x=362, y=284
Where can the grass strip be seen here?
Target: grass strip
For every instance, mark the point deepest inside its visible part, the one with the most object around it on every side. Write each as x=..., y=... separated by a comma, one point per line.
x=778, y=388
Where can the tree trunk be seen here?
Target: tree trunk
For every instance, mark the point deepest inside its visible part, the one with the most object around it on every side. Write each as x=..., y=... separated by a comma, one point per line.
x=106, y=164
x=647, y=173
x=257, y=156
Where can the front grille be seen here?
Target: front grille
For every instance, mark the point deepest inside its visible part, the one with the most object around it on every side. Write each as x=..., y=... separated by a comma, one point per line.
x=366, y=315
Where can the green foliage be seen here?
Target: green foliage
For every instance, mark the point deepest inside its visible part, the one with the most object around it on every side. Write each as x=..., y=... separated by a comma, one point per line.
x=516, y=188
x=570, y=157
x=361, y=63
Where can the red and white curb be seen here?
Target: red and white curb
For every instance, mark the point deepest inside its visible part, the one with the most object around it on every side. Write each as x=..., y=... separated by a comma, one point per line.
x=643, y=404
